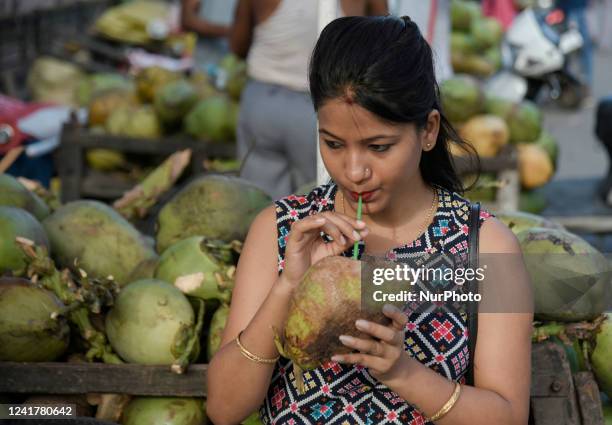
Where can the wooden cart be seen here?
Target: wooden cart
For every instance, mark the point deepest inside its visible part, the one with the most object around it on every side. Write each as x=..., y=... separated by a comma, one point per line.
x=558, y=397
x=79, y=181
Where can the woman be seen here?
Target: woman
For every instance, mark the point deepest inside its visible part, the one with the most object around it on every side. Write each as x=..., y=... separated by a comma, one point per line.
x=276, y=133
x=382, y=136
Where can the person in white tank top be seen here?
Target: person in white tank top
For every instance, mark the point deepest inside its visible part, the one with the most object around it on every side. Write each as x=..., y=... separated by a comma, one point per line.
x=276, y=134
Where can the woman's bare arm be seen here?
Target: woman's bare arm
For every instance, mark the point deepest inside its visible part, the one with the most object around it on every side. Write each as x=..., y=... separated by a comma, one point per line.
x=241, y=35
x=259, y=300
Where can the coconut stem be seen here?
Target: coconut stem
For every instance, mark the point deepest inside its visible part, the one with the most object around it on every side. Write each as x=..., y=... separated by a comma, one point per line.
x=47, y=196
x=299, y=378
x=137, y=202
x=544, y=332
x=98, y=345
x=180, y=365
x=78, y=299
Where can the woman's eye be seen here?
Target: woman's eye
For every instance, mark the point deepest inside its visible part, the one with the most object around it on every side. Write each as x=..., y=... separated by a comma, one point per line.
x=332, y=144
x=379, y=148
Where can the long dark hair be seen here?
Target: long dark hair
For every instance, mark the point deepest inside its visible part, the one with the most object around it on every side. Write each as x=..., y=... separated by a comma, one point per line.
x=386, y=66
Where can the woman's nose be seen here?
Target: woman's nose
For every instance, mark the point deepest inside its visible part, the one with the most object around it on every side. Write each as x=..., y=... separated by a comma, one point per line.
x=357, y=171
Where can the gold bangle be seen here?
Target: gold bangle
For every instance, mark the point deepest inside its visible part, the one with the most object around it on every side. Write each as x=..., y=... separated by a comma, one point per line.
x=448, y=405
x=253, y=357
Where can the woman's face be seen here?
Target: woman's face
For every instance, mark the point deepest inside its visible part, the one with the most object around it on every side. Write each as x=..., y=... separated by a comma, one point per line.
x=366, y=155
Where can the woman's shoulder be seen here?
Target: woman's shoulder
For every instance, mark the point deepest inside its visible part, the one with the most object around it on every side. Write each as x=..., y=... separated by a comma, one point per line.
x=495, y=236
x=297, y=206
x=459, y=206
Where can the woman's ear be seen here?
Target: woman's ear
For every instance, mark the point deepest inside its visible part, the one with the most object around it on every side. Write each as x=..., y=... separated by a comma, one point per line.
x=431, y=130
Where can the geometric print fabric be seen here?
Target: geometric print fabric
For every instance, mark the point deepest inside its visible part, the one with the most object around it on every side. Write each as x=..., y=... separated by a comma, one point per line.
x=337, y=394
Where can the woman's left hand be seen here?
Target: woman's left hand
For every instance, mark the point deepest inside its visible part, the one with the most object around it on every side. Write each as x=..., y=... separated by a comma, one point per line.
x=384, y=353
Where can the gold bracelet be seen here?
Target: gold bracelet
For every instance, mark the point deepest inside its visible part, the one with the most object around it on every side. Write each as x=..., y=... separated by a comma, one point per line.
x=448, y=405
x=253, y=357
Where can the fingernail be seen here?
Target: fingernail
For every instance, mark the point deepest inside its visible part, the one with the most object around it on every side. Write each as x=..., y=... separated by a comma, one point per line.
x=361, y=324
x=336, y=359
x=388, y=308
x=320, y=220
x=356, y=235
x=364, y=233
x=342, y=240
x=345, y=339
x=360, y=223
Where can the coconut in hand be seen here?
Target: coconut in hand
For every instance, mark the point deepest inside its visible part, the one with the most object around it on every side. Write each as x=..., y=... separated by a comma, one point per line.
x=324, y=306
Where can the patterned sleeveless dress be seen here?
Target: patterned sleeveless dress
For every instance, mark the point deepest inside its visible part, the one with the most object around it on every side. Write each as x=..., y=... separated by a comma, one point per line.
x=338, y=394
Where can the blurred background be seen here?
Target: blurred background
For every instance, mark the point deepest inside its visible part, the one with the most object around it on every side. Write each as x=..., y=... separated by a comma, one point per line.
x=92, y=63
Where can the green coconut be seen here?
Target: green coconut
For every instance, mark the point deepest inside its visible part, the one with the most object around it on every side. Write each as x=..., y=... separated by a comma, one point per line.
x=472, y=64
x=324, y=306
x=164, y=411
x=525, y=122
x=236, y=83
x=524, y=119
x=152, y=323
x=191, y=266
x=601, y=358
x=134, y=121
x=212, y=119
x=498, y=106
x=493, y=55
x=214, y=206
x=519, y=221
x=15, y=222
x=487, y=32
x=548, y=142
x=173, y=101
x=461, y=97
x=462, y=43
x=463, y=13
x=89, y=87
x=15, y=194
x=31, y=329
x=607, y=413
x=103, y=242
x=532, y=201
x=151, y=79
x=253, y=419
x=571, y=279
x=215, y=332
x=102, y=159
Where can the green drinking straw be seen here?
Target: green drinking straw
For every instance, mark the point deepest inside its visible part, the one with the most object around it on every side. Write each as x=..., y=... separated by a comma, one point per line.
x=356, y=244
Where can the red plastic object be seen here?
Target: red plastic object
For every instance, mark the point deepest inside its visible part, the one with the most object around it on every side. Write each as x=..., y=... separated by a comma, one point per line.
x=11, y=111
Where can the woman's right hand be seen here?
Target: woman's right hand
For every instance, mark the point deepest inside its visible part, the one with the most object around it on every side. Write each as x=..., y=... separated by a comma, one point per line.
x=305, y=246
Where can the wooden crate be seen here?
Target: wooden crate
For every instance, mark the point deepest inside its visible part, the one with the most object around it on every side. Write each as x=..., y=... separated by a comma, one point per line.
x=557, y=396
x=505, y=166
x=31, y=28
x=82, y=378
x=79, y=181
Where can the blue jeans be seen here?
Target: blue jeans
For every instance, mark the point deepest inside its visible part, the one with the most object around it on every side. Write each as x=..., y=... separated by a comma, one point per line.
x=578, y=15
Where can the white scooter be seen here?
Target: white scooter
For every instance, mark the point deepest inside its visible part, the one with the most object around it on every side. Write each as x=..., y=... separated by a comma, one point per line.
x=535, y=54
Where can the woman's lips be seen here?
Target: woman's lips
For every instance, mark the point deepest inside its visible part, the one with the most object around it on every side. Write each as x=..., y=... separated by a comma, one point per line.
x=365, y=196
